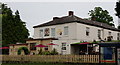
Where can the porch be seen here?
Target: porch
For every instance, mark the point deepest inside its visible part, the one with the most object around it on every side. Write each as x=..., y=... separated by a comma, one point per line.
x=83, y=49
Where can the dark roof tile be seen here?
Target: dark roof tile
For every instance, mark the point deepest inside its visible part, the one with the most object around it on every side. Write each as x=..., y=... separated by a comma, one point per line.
x=70, y=19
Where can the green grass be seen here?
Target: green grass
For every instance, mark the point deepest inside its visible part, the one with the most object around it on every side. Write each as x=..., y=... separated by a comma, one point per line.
x=50, y=64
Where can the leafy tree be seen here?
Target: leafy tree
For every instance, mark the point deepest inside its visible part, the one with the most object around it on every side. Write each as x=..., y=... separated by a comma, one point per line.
x=100, y=15
x=119, y=27
x=117, y=9
x=0, y=26
x=13, y=28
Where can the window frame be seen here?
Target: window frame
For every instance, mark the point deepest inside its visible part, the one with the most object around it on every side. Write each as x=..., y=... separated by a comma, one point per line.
x=32, y=46
x=46, y=48
x=87, y=31
x=118, y=36
x=53, y=32
x=99, y=33
x=41, y=33
x=66, y=30
x=109, y=33
x=64, y=46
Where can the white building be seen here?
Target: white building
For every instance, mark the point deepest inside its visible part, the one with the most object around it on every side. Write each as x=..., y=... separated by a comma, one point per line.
x=72, y=29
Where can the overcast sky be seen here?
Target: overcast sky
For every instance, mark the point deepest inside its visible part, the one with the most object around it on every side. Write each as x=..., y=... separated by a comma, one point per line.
x=35, y=13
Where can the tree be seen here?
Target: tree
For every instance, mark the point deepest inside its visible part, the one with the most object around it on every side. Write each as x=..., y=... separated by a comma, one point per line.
x=0, y=25
x=100, y=15
x=119, y=27
x=117, y=9
x=13, y=28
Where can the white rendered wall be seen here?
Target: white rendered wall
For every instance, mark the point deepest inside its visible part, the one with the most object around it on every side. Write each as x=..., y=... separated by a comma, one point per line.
x=77, y=33
x=93, y=35
x=71, y=33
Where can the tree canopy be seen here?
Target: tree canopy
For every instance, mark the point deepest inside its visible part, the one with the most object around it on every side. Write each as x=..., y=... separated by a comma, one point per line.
x=13, y=28
x=117, y=9
x=100, y=15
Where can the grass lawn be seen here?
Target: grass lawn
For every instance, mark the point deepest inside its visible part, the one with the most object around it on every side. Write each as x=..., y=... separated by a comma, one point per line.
x=37, y=64
x=50, y=64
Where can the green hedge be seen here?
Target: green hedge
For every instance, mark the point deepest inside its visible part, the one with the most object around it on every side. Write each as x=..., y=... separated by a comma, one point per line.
x=25, y=49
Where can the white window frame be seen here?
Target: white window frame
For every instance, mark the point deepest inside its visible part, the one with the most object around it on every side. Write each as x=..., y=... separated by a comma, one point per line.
x=64, y=46
x=41, y=34
x=66, y=31
x=53, y=32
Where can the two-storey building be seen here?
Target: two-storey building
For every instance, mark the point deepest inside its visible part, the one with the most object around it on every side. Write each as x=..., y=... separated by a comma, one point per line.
x=71, y=29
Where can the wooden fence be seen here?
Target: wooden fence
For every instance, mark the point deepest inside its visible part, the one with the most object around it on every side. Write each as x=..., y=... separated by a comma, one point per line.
x=52, y=58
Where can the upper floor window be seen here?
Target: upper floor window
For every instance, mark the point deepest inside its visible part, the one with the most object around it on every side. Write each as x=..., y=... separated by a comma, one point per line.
x=41, y=33
x=109, y=33
x=118, y=36
x=99, y=34
x=66, y=30
x=52, y=31
x=87, y=31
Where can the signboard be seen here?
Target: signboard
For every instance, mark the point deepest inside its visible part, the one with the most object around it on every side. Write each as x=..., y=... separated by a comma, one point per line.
x=118, y=57
x=47, y=32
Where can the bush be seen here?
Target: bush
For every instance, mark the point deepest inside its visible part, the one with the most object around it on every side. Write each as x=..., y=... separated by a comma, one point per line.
x=25, y=50
x=46, y=53
x=54, y=52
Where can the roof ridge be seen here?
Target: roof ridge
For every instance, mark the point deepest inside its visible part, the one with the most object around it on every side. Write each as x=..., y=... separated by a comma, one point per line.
x=73, y=18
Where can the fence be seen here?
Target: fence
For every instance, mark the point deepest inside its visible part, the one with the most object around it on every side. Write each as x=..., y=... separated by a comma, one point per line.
x=52, y=58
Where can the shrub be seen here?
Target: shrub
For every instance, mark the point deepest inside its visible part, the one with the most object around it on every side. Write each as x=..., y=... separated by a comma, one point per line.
x=25, y=50
x=54, y=52
x=46, y=53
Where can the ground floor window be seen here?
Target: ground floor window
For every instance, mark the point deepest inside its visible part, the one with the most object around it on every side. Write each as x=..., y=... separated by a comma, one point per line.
x=46, y=48
x=32, y=46
x=63, y=46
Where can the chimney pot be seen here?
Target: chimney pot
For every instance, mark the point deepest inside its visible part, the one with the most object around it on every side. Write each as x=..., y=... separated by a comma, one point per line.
x=71, y=13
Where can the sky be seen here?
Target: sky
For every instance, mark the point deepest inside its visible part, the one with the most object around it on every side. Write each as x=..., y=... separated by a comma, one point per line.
x=35, y=12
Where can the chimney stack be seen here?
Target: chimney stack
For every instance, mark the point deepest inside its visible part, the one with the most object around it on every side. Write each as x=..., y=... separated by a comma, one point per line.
x=70, y=13
x=56, y=18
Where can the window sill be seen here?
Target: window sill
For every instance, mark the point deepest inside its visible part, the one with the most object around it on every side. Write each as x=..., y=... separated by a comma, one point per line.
x=65, y=35
x=63, y=50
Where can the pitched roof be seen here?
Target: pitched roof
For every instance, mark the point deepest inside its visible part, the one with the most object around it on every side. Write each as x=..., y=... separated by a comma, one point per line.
x=18, y=44
x=73, y=18
x=41, y=39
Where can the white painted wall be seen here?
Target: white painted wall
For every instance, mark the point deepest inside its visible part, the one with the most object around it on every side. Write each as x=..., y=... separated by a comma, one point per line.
x=71, y=34
x=77, y=33
x=68, y=39
x=93, y=35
